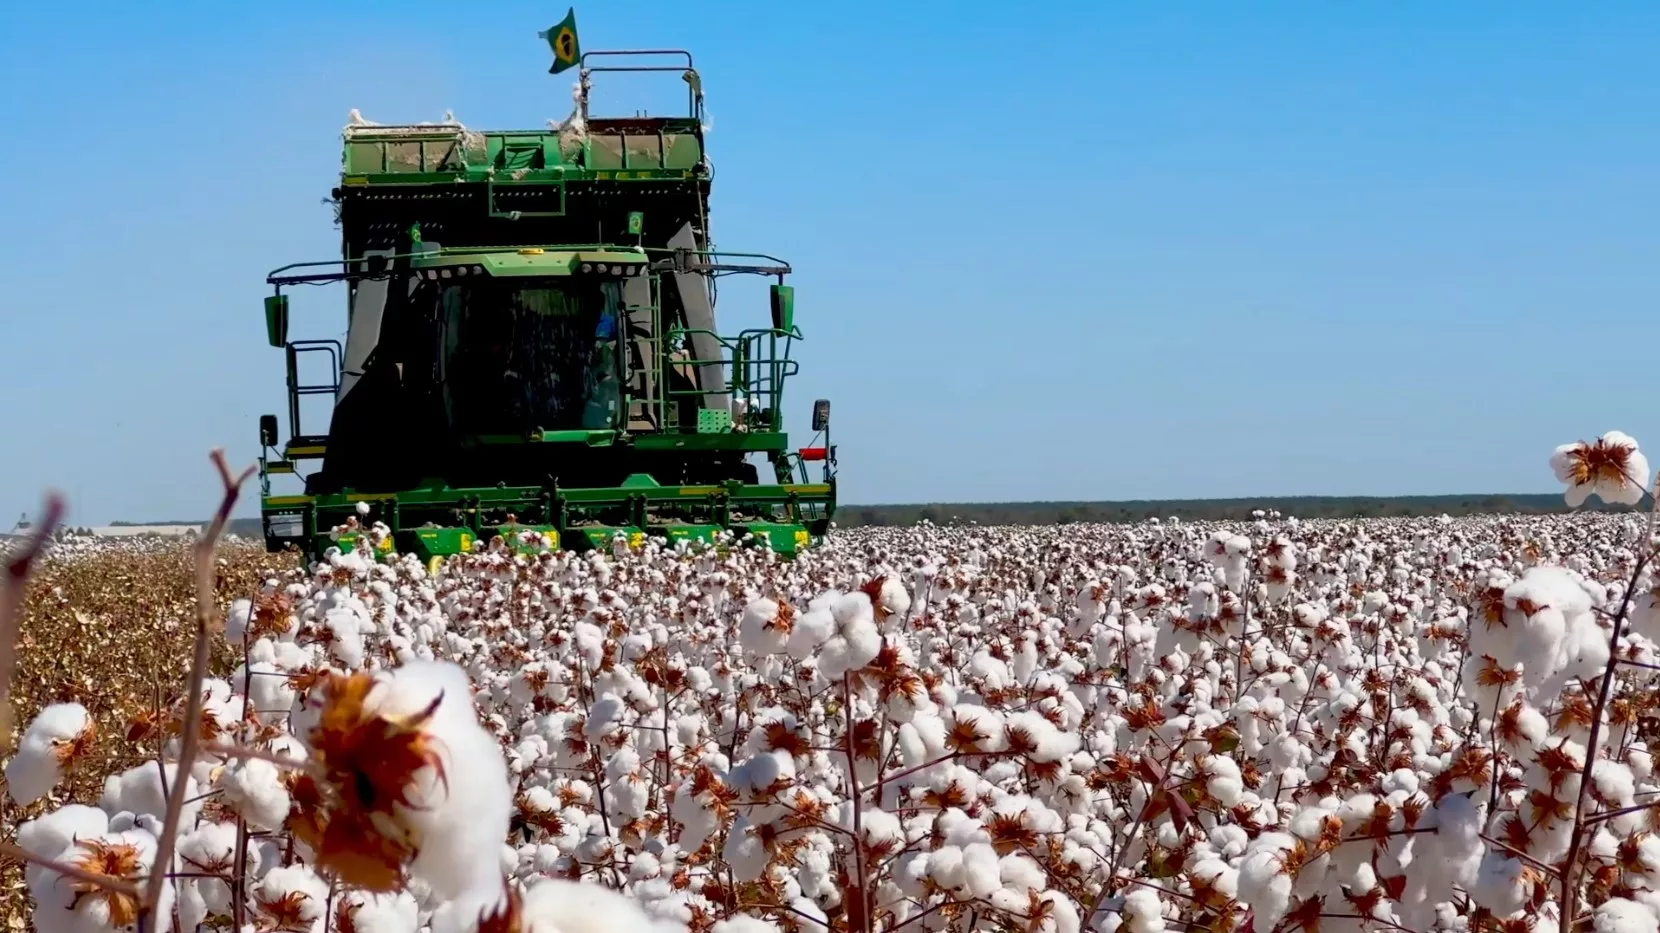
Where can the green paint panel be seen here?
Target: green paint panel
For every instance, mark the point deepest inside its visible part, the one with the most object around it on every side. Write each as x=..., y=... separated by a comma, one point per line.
x=681, y=151
x=605, y=152
x=643, y=151
x=427, y=543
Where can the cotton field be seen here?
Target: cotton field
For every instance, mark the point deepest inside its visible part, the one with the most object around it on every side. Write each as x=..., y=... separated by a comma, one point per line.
x=1273, y=725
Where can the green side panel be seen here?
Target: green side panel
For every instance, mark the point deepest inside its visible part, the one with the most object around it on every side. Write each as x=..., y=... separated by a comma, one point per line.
x=365, y=159
x=643, y=151
x=605, y=152
x=405, y=157
x=427, y=543
x=681, y=151
x=518, y=151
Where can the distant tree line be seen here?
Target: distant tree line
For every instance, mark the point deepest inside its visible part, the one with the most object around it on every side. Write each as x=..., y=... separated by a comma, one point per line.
x=1307, y=507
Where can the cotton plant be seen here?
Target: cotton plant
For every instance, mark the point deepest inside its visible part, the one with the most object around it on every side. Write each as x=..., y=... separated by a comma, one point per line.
x=1268, y=724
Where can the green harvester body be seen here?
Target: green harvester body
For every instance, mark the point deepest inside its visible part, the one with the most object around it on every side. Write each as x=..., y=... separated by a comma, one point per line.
x=531, y=346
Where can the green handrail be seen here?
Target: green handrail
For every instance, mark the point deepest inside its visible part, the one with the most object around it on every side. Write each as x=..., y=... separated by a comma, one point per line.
x=757, y=367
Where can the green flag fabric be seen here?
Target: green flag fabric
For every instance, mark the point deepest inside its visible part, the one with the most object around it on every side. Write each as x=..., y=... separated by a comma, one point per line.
x=567, y=50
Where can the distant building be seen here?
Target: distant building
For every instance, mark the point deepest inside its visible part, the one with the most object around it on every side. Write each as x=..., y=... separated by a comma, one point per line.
x=139, y=531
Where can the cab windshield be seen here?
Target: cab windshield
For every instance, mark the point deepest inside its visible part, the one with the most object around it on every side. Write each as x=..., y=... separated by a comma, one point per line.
x=531, y=354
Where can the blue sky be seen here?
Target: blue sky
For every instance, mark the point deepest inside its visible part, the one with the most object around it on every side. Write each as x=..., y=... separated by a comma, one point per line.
x=1092, y=251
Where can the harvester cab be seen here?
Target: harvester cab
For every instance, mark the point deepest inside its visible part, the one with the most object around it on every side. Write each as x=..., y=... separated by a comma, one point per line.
x=531, y=346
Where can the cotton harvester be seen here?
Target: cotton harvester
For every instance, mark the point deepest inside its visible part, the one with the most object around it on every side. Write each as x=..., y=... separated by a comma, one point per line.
x=531, y=345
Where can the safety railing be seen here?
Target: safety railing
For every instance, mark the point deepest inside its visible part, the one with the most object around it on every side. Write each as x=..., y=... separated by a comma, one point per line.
x=755, y=364
x=297, y=389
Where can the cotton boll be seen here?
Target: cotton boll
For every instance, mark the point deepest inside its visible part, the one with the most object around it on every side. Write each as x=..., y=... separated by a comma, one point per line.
x=345, y=643
x=1263, y=882
x=742, y=923
x=745, y=851
x=812, y=629
x=58, y=734
x=766, y=627
x=834, y=658
x=138, y=791
x=1500, y=884
x=380, y=913
x=292, y=898
x=256, y=789
x=1619, y=915
x=1223, y=781
x=211, y=849
x=237, y=617
x=946, y=867
x=1612, y=467
x=128, y=855
x=982, y=872
x=864, y=642
x=1143, y=911
x=50, y=834
x=461, y=812
x=269, y=689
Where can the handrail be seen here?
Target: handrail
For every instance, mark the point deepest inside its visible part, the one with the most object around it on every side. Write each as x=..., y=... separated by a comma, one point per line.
x=694, y=84
x=583, y=61
x=274, y=276
x=293, y=350
x=758, y=367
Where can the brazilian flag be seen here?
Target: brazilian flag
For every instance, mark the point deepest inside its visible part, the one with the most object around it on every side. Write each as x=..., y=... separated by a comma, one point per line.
x=562, y=39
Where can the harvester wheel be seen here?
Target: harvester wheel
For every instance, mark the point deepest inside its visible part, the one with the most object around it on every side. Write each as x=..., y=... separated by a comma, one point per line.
x=434, y=565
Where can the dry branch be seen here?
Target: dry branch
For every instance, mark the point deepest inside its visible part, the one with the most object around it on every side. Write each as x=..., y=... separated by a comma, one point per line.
x=12, y=594
x=108, y=883
x=192, y=727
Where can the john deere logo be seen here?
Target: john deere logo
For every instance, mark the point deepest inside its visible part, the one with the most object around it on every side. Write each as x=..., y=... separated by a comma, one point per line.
x=564, y=45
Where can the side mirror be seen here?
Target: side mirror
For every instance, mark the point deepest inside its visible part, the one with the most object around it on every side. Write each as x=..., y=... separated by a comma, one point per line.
x=821, y=414
x=267, y=430
x=276, y=320
x=783, y=307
